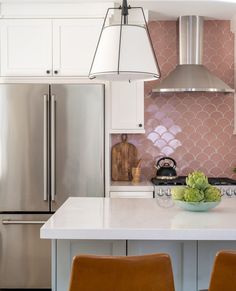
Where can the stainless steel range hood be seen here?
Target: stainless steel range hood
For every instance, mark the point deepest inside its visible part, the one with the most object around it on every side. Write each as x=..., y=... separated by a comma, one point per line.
x=190, y=75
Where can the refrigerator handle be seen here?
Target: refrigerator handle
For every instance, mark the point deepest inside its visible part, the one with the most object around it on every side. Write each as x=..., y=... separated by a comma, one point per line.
x=45, y=147
x=9, y=221
x=53, y=133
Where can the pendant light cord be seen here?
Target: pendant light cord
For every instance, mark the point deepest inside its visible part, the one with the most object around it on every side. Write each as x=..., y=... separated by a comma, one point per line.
x=125, y=11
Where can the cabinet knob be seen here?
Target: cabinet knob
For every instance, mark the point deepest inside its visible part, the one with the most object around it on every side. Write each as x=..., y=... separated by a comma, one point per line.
x=55, y=72
x=140, y=125
x=48, y=71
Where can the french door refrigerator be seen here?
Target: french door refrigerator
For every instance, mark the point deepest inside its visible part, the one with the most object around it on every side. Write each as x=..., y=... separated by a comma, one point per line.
x=51, y=147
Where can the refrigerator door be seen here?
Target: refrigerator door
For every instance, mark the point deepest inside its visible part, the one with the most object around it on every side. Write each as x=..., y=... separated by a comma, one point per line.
x=77, y=142
x=24, y=257
x=22, y=144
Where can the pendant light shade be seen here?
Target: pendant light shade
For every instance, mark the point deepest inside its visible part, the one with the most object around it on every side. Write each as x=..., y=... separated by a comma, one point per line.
x=124, y=52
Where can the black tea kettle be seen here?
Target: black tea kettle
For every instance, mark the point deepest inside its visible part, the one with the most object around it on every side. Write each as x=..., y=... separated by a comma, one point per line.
x=166, y=168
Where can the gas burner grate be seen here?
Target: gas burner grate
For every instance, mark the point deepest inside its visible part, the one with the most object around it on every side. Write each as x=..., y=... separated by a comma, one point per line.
x=181, y=180
x=162, y=182
x=221, y=181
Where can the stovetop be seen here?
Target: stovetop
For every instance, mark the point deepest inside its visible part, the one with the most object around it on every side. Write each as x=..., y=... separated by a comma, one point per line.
x=181, y=180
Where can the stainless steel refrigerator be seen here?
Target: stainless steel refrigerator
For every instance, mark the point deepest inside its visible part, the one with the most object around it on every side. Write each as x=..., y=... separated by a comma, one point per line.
x=51, y=147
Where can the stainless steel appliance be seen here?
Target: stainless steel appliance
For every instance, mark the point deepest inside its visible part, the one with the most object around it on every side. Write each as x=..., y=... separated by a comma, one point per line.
x=190, y=75
x=51, y=147
x=163, y=187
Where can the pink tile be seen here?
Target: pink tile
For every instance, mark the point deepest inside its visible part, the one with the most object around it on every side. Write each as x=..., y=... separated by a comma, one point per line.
x=153, y=136
x=175, y=143
x=167, y=150
x=167, y=136
x=175, y=129
x=160, y=143
x=197, y=127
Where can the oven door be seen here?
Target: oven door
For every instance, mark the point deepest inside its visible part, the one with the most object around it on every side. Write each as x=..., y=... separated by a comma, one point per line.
x=24, y=257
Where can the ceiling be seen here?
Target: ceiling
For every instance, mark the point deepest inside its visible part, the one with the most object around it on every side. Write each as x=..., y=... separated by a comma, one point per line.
x=165, y=9
x=170, y=10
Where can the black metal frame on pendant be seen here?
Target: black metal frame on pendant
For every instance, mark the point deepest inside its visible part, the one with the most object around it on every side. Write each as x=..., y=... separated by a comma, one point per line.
x=124, y=16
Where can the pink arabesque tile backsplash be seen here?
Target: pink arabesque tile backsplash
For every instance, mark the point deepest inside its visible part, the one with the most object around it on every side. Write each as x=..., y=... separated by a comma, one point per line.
x=196, y=129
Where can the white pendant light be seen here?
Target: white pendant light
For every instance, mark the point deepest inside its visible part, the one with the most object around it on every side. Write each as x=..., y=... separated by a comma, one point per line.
x=124, y=51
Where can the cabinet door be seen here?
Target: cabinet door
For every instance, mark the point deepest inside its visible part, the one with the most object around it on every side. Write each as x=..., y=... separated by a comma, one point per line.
x=127, y=107
x=74, y=44
x=26, y=47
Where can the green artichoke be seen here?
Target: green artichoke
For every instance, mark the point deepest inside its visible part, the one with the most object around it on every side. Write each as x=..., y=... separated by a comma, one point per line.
x=197, y=180
x=193, y=195
x=212, y=194
x=178, y=193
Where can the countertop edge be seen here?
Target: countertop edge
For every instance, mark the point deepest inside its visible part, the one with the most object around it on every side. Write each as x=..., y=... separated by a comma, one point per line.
x=175, y=235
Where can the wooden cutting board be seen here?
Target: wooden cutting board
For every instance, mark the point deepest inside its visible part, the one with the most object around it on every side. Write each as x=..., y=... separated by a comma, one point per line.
x=124, y=157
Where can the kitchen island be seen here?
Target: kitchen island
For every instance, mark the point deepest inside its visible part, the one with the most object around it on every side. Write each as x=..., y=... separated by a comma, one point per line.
x=139, y=226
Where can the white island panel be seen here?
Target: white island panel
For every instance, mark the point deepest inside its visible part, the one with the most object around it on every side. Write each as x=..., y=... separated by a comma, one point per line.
x=65, y=250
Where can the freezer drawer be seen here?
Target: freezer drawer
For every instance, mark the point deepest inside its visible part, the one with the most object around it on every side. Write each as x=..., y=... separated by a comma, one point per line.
x=24, y=257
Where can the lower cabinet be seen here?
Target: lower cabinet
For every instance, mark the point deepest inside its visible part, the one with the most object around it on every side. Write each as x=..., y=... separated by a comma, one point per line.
x=183, y=256
x=65, y=250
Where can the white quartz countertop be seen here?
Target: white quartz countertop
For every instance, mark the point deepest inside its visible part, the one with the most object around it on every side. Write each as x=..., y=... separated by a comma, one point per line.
x=139, y=219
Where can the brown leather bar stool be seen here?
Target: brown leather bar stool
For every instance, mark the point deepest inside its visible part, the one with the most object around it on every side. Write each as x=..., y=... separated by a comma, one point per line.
x=223, y=277
x=132, y=273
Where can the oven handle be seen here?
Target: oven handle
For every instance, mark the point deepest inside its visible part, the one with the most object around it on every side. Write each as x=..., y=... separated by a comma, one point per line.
x=9, y=221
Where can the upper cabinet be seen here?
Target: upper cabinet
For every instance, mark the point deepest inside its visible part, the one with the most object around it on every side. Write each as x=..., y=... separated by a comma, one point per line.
x=127, y=107
x=74, y=44
x=48, y=47
x=26, y=47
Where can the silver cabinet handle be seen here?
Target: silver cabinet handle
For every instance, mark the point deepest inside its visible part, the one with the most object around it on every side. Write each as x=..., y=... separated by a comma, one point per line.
x=9, y=221
x=53, y=115
x=45, y=147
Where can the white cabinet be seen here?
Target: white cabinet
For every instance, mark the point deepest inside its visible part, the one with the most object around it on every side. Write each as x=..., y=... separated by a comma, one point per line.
x=26, y=47
x=46, y=47
x=127, y=107
x=131, y=194
x=74, y=44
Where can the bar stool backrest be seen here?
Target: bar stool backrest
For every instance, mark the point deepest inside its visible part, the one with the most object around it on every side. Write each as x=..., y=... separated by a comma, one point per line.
x=132, y=273
x=223, y=277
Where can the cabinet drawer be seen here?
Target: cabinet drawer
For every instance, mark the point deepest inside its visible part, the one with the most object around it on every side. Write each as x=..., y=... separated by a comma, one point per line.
x=131, y=194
